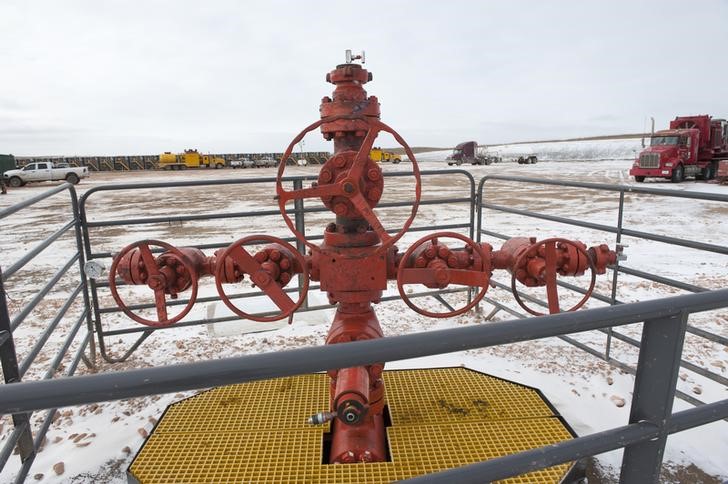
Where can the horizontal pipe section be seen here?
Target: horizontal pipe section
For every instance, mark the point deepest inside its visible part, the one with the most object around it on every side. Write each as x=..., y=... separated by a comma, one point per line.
x=111, y=386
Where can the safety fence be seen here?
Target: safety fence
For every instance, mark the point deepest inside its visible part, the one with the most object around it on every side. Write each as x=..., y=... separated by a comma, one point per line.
x=490, y=206
x=106, y=317
x=63, y=332
x=666, y=322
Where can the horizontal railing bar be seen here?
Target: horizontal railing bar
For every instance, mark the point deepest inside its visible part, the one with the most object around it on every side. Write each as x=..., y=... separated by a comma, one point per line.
x=42, y=293
x=611, y=188
x=661, y=279
x=543, y=457
x=36, y=250
x=48, y=420
x=223, y=319
x=33, y=354
x=691, y=244
x=575, y=449
x=33, y=200
x=111, y=386
x=311, y=238
x=684, y=363
x=246, y=214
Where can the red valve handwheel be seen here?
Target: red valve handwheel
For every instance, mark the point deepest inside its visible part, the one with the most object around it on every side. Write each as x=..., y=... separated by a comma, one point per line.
x=411, y=275
x=156, y=281
x=260, y=277
x=550, y=274
x=348, y=186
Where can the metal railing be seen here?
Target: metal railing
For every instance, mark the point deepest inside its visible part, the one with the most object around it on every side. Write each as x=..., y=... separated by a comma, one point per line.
x=666, y=322
x=643, y=438
x=70, y=345
x=618, y=230
x=102, y=313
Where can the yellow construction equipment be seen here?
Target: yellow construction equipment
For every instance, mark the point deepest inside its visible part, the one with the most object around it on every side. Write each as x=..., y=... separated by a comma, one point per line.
x=381, y=156
x=188, y=159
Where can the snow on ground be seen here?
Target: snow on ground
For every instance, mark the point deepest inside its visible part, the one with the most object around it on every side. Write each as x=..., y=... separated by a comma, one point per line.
x=96, y=442
x=587, y=150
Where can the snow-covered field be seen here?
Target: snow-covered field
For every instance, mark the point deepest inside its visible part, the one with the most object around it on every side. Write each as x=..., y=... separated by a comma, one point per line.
x=97, y=442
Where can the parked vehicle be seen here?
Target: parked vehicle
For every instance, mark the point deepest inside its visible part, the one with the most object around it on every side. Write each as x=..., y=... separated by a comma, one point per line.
x=7, y=162
x=693, y=146
x=266, y=162
x=381, y=156
x=242, y=163
x=44, y=171
x=527, y=160
x=188, y=159
x=470, y=152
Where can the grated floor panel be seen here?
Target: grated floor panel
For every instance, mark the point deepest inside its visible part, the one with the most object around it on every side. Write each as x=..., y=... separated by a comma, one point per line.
x=257, y=432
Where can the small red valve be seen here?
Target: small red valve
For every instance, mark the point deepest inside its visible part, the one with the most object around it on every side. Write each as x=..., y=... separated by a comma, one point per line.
x=436, y=266
x=270, y=269
x=169, y=273
x=538, y=265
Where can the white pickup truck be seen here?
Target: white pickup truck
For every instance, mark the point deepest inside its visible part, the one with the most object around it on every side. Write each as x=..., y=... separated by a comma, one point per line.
x=44, y=171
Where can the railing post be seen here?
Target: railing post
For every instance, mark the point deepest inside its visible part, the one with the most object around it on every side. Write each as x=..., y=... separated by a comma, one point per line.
x=301, y=227
x=615, y=270
x=11, y=372
x=654, y=392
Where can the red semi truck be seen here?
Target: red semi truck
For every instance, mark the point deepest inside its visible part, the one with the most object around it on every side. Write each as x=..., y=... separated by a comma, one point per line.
x=693, y=146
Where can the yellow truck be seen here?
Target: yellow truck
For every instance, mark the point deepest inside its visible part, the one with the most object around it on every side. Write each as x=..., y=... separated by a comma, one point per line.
x=188, y=159
x=381, y=156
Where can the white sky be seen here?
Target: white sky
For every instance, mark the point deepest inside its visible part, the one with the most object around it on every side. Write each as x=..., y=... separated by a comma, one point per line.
x=128, y=77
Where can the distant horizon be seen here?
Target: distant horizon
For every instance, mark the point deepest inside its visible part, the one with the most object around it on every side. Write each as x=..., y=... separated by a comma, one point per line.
x=429, y=148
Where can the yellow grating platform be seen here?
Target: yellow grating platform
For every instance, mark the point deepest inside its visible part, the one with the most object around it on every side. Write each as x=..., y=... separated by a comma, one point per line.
x=257, y=432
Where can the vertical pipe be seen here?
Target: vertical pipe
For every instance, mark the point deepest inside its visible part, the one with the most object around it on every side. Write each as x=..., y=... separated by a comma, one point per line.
x=82, y=273
x=11, y=372
x=615, y=273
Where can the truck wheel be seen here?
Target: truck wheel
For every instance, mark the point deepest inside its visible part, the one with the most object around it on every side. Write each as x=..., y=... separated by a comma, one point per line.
x=72, y=178
x=218, y=166
x=708, y=172
x=639, y=178
x=678, y=174
x=16, y=182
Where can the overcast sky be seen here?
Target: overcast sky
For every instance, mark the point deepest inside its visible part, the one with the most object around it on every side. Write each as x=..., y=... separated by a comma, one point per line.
x=127, y=77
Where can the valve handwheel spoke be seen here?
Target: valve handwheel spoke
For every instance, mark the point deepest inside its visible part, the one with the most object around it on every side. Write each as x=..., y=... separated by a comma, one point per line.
x=260, y=277
x=430, y=276
x=366, y=211
x=362, y=156
x=550, y=274
x=155, y=280
x=313, y=192
x=353, y=177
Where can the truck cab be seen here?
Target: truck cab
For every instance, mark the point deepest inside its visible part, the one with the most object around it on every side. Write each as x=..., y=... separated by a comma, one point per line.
x=463, y=152
x=693, y=146
x=672, y=154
